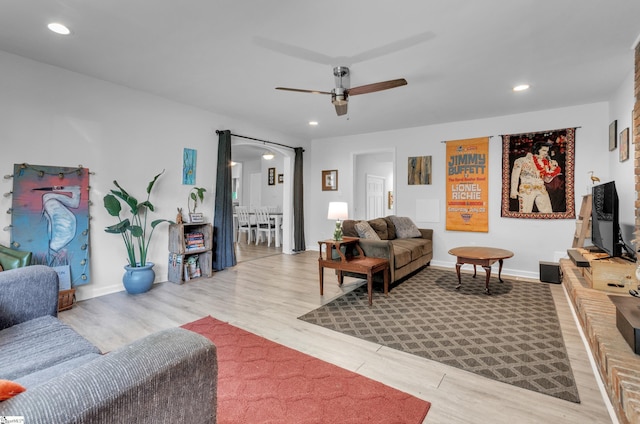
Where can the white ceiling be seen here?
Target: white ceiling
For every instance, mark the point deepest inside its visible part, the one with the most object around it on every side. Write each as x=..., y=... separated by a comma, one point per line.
x=460, y=57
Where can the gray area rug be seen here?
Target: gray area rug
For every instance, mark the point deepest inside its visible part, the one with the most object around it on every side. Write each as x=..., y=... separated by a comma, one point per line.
x=512, y=336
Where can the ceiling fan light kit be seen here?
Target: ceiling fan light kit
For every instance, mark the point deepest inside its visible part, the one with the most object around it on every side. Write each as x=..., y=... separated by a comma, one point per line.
x=340, y=94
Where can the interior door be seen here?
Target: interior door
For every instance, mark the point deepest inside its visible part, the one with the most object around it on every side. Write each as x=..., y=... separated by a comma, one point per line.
x=374, y=191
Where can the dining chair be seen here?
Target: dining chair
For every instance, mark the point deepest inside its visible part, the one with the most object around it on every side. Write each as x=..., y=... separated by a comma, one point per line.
x=264, y=225
x=244, y=223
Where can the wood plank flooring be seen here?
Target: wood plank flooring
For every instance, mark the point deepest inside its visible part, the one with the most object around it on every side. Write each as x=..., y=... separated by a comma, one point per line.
x=267, y=291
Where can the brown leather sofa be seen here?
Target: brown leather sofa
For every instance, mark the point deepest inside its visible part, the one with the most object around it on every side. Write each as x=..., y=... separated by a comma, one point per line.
x=405, y=255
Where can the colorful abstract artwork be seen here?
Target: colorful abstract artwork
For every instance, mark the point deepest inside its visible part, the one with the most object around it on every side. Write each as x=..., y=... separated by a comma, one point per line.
x=189, y=157
x=50, y=218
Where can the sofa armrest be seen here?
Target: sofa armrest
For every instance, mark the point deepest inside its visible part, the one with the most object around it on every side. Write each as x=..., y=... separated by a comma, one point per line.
x=379, y=249
x=166, y=377
x=27, y=293
x=427, y=233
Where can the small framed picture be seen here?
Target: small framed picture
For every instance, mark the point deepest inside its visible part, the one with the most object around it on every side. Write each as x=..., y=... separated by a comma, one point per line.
x=624, y=145
x=613, y=132
x=196, y=218
x=272, y=176
x=330, y=180
x=280, y=178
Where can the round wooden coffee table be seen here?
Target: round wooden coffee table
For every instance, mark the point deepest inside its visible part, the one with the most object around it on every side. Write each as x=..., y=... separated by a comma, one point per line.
x=479, y=255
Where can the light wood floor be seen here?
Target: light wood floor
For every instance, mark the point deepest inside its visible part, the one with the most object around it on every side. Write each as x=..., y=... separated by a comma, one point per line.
x=267, y=291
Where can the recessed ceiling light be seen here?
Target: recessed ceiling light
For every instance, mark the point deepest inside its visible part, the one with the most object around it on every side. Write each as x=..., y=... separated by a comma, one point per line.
x=313, y=123
x=59, y=28
x=521, y=87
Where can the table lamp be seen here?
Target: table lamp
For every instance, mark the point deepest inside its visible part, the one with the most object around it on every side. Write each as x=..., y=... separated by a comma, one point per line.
x=338, y=211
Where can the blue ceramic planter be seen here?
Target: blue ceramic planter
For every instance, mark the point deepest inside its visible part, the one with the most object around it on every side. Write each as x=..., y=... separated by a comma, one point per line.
x=138, y=280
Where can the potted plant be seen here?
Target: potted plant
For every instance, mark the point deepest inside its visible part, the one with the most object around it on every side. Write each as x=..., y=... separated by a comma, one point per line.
x=136, y=232
x=196, y=193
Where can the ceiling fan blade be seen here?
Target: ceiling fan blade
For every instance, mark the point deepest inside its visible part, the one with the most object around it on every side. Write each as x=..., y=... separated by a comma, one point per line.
x=299, y=90
x=341, y=109
x=377, y=86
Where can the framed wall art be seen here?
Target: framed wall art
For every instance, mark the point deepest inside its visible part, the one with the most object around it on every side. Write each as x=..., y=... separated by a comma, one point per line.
x=189, y=160
x=419, y=170
x=538, y=175
x=613, y=132
x=280, y=178
x=272, y=176
x=330, y=180
x=624, y=145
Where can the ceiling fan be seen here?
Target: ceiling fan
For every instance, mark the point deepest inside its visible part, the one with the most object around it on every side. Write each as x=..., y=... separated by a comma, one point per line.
x=340, y=94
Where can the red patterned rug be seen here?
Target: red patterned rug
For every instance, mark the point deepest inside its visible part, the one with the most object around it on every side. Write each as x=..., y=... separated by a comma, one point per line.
x=260, y=381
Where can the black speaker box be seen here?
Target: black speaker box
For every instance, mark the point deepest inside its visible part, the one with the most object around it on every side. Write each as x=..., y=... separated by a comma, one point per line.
x=550, y=272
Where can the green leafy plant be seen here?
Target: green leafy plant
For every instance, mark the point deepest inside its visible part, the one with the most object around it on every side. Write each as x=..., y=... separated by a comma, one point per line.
x=134, y=230
x=196, y=193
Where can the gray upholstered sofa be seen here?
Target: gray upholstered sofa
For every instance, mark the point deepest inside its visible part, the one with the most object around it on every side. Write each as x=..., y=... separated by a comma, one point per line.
x=166, y=377
x=405, y=254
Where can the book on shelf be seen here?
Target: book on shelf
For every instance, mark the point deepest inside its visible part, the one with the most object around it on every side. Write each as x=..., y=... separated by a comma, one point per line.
x=194, y=240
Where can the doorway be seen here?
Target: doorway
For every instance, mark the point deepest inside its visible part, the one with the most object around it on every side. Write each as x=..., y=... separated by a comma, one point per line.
x=374, y=193
x=373, y=182
x=257, y=192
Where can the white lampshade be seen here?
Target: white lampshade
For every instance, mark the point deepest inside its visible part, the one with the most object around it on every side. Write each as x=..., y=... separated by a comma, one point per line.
x=268, y=155
x=338, y=211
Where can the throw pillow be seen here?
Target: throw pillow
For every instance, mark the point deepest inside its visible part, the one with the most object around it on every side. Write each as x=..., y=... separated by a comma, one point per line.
x=365, y=231
x=379, y=225
x=405, y=228
x=391, y=229
x=9, y=389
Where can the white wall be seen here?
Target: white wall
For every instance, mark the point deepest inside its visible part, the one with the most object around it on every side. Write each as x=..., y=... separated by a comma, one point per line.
x=623, y=172
x=531, y=240
x=49, y=116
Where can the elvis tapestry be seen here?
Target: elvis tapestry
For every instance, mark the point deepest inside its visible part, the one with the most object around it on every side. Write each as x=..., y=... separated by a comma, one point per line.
x=50, y=218
x=537, y=175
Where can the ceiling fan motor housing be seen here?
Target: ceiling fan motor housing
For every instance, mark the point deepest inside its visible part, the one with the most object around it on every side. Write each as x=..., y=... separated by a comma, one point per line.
x=339, y=96
x=342, y=76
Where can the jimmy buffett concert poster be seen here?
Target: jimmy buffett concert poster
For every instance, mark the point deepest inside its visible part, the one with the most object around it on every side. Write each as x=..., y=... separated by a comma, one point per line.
x=468, y=185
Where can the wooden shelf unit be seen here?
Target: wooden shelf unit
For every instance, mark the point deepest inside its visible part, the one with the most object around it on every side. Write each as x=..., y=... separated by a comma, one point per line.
x=583, y=223
x=179, y=253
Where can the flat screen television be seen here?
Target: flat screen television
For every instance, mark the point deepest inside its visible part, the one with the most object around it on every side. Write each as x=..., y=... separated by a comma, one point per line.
x=605, y=226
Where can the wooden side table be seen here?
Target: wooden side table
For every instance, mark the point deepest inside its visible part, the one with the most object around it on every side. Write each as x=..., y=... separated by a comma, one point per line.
x=346, y=261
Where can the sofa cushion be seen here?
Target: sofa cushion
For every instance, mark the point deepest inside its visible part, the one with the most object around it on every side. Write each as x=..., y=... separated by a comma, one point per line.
x=365, y=231
x=401, y=255
x=42, y=376
x=38, y=344
x=405, y=228
x=416, y=247
x=379, y=225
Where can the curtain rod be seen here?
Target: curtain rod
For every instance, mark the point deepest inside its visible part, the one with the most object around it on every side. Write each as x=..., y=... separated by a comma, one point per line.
x=257, y=139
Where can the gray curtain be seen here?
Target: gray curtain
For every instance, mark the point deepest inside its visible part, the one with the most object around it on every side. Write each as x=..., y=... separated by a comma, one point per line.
x=223, y=218
x=298, y=203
